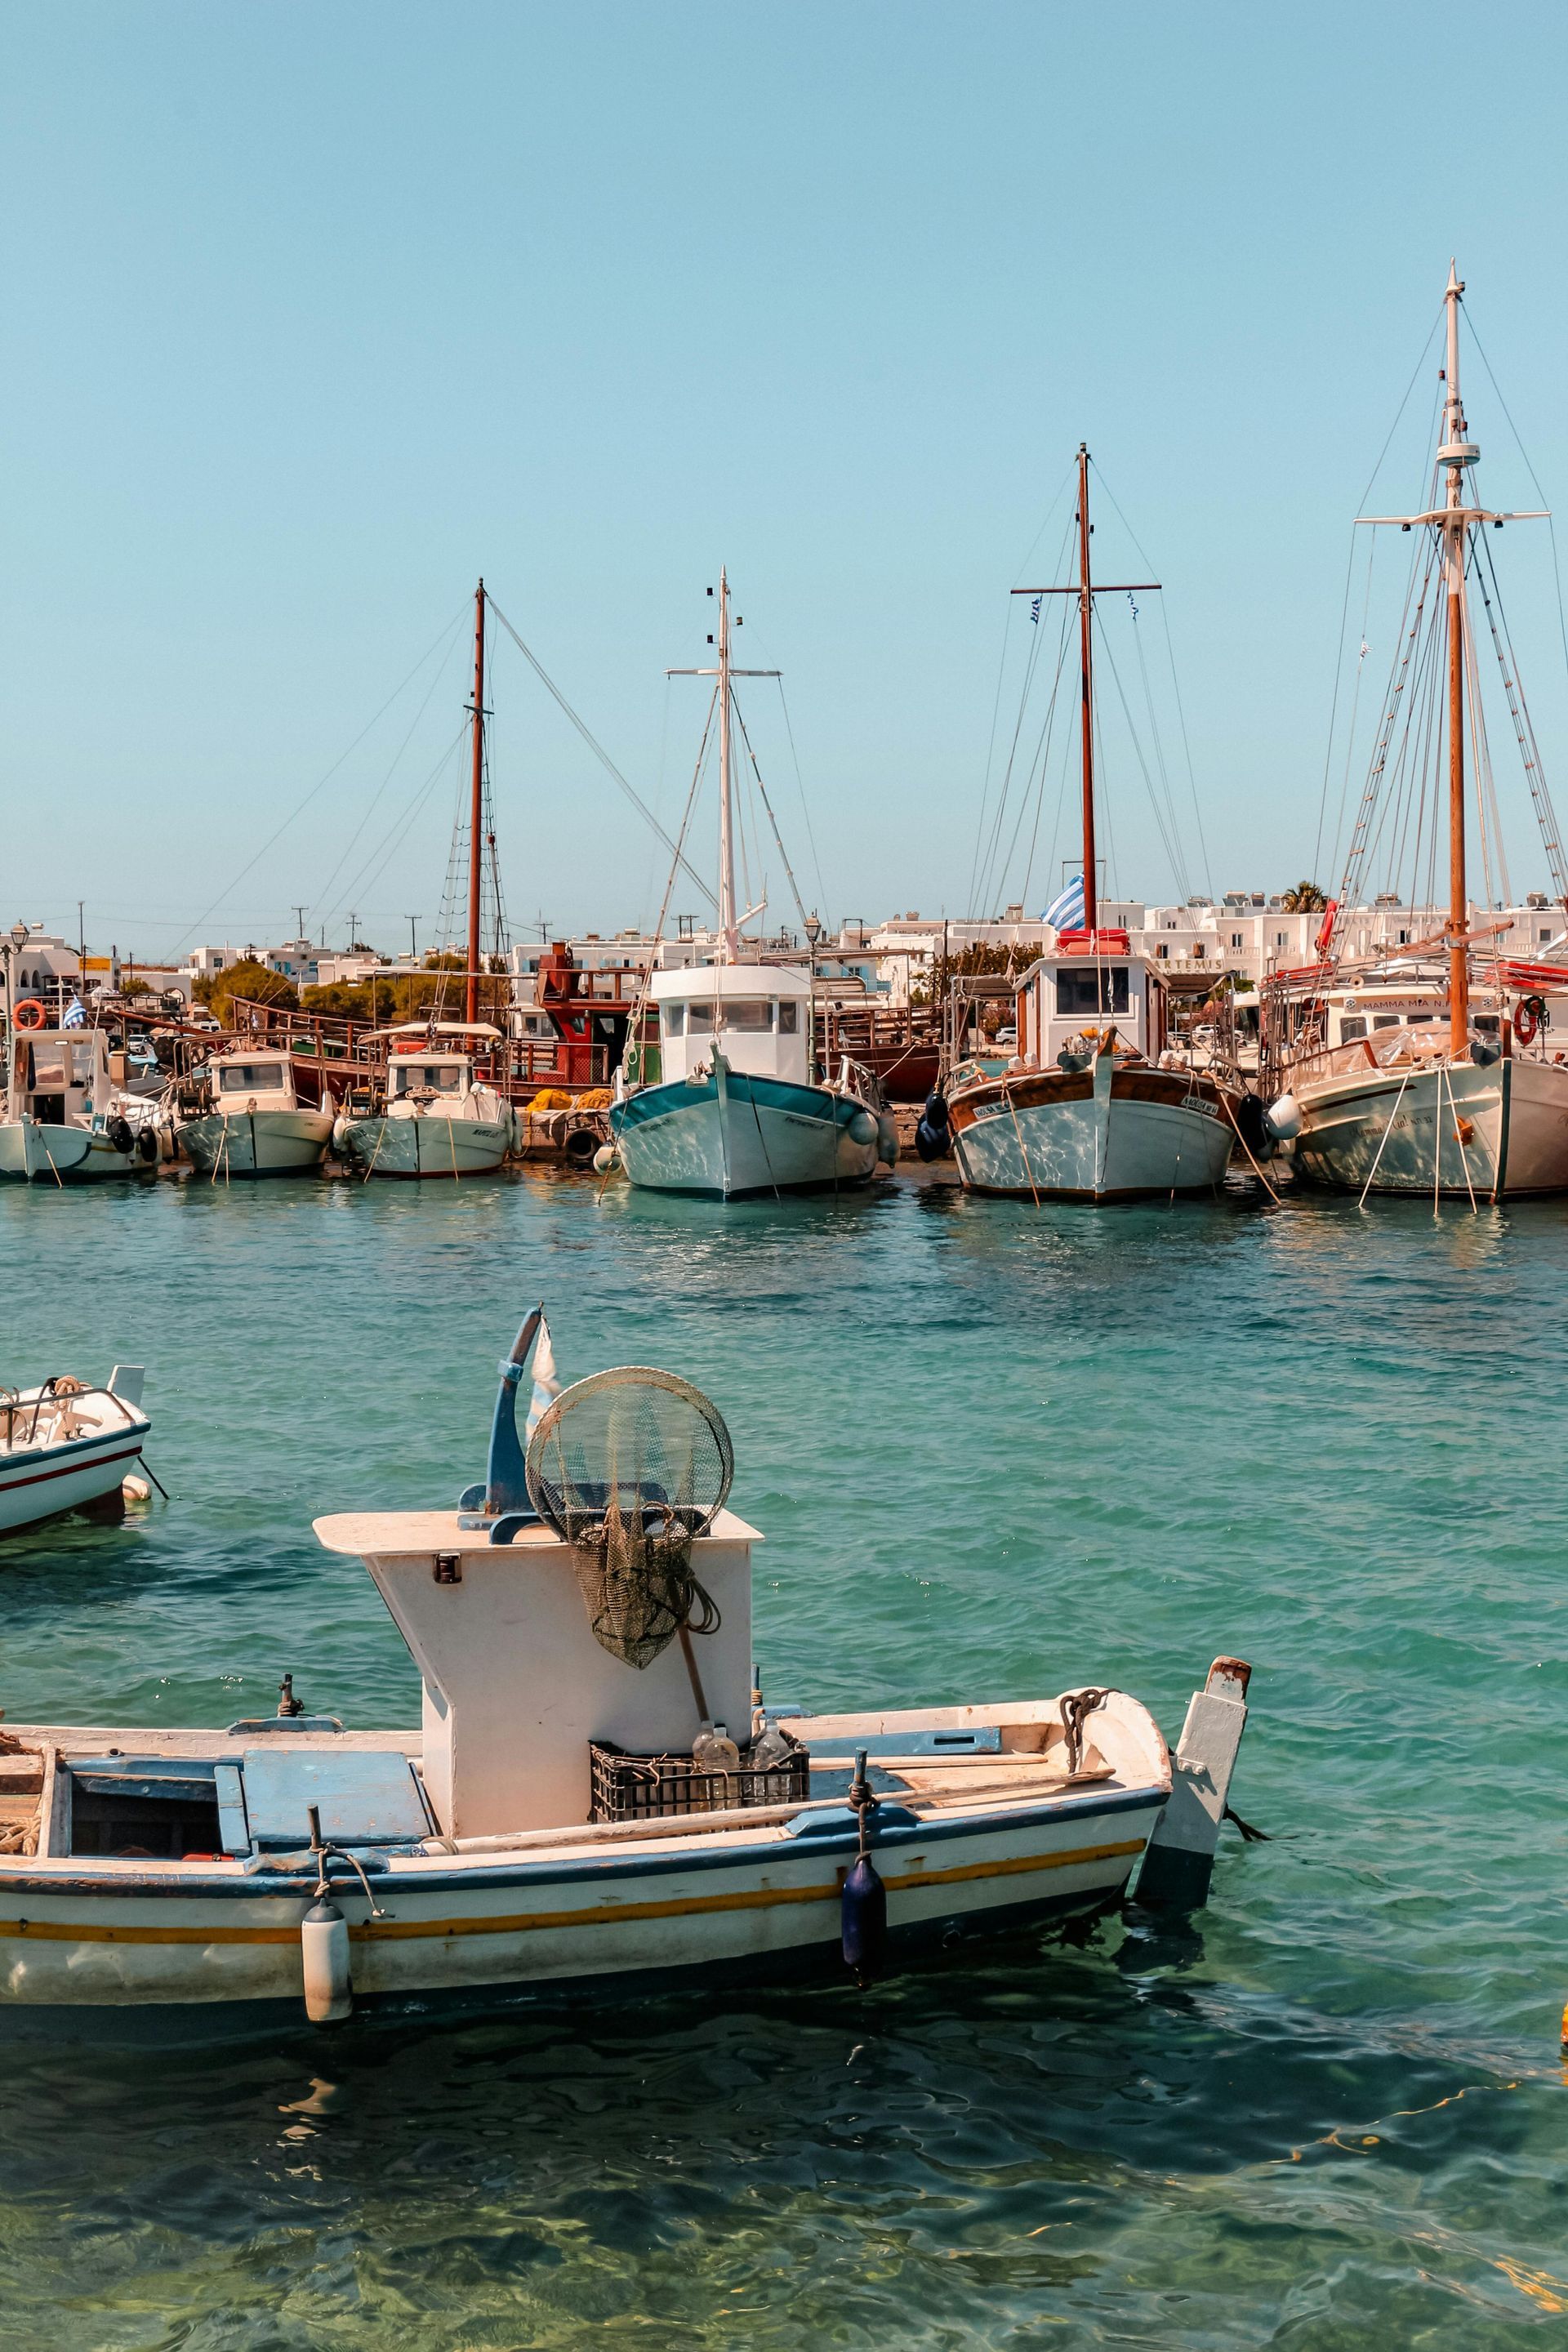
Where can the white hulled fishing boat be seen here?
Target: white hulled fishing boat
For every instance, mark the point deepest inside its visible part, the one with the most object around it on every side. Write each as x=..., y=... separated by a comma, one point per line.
x=65, y=1121
x=242, y=1115
x=740, y=1108
x=573, y=1815
x=433, y=1117
x=66, y=1446
x=1098, y=1102
x=1432, y=1081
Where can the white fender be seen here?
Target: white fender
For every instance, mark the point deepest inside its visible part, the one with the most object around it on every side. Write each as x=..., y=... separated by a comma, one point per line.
x=324, y=1948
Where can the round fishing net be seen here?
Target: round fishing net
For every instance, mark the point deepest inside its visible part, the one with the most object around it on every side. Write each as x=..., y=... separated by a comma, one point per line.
x=630, y=1466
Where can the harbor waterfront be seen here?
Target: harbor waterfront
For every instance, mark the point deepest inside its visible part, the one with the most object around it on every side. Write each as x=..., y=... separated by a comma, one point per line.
x=993, y=1446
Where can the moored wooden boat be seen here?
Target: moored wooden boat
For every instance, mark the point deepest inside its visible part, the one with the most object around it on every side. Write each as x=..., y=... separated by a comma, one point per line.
x=550, y=1828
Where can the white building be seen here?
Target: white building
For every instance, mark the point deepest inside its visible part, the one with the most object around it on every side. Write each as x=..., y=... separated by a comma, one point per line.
x=1247, y=934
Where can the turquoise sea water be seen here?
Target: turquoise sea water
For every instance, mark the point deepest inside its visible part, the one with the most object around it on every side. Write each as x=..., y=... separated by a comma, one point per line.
x=993, y=1451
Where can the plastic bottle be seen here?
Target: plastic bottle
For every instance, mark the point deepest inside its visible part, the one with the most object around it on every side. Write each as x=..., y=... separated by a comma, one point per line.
x=714, y=1751
x=771, y=1750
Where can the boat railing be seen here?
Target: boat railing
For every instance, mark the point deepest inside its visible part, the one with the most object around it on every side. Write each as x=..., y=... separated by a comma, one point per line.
x=54, y=1398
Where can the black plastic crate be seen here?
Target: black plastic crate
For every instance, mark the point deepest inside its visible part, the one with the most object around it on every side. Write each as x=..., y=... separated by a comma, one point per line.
x=645, y=1788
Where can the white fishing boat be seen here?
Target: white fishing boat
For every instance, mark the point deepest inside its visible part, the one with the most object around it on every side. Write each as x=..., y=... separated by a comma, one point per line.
x=1098, y=1102
x=66, y=1122
x=739, y=1108
x=66, y=1446
x=1439, y=1083
x=571, y=1817
x=433, y=1117
x=241, y=1115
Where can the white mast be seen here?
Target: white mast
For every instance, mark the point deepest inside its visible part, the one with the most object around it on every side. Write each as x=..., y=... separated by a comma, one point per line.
x=729, y=937
x=729, y=922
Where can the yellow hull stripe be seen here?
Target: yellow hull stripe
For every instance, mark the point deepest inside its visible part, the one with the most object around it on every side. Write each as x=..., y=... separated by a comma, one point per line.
x=598, y=1915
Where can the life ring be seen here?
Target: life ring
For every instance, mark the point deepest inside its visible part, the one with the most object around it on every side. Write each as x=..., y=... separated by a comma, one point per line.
x=1527, y=1018
x=34, y=1006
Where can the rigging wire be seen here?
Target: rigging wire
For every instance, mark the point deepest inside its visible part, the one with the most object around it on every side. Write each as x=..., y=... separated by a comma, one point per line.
x=768, y=805
x=804, y=809
x=323, y=906
x=594, y=744
x=272, y=839
x=1176, y=681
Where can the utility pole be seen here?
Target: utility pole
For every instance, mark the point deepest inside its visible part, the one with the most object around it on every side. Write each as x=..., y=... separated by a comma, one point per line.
x=299, y=913
x=353, y=921
x=413, y=940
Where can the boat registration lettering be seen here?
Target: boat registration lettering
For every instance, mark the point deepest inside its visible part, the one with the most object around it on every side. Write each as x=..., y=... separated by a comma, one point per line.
x=1200, y=1102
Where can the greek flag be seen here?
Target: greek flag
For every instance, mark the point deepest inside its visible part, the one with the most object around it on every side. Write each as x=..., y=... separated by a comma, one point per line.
x=75, y=1015
x=546, y=1386
x=1065, y=910
x=1131, y=599
x=1035, y=611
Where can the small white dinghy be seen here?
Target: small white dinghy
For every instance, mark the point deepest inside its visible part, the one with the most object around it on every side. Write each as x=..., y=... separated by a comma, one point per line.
x=64, y=1445
x=549, y=1830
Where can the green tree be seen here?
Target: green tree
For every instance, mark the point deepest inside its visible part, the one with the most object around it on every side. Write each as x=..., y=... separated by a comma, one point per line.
x=255, y=982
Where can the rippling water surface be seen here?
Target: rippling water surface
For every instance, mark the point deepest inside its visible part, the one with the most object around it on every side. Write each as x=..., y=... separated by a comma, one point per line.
x=993, y=1451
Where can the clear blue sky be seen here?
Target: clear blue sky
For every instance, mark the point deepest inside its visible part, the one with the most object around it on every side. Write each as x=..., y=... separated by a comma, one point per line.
x=313, y=313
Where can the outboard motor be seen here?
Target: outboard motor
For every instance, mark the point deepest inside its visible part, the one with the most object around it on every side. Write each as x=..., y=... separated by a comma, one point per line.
x=933, y=1136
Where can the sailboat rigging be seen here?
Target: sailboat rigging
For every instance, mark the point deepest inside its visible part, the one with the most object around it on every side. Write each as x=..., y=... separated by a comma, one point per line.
x=1416, y=1074
x=1084, y=1111
x=739, y=1107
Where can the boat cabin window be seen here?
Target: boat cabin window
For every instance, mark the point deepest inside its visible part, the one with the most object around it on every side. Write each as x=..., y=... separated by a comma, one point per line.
x=1094, y=991
x=1416, y=1018
x=789, y=1018
x=672, y=1020
x=441, y=1077
x=1386, y=1020
x=248, y=1078
x=1486, y=1020
x=748, y=1015
x=700, y=1020
x=1350, y=1030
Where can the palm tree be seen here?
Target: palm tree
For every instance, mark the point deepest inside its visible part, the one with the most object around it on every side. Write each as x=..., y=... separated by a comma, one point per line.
x=1306, y=898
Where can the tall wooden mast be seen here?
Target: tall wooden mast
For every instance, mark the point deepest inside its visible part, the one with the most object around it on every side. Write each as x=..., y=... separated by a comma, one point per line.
x=1086, y=719
x=1086, y=591
x=1457, y=452
x=476, y=809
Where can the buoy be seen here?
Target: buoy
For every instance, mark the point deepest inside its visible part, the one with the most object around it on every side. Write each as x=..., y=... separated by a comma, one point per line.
x=135, y=1490
x=1283, y=1119
x=933, y=1136
x=324, y=1948
x=888, y=1138
x=863, y=1906
x=603, y=1159
x=862, y=1127
x=863, y=1915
